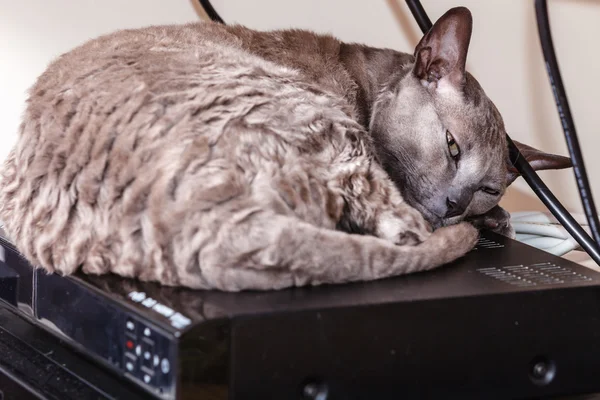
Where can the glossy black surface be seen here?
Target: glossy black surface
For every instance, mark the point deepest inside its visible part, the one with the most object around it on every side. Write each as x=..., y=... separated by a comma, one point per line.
x=473, y=329
x=464, y=278
x=36, y=365
x=109, y=331
x=19, y=287
x=9, y=282
x=461, y=348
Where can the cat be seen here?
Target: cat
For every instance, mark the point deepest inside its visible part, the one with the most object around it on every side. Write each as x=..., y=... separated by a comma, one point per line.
x=220, y=157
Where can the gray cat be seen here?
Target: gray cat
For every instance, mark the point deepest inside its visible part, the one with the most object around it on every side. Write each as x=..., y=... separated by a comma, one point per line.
x=219, y=157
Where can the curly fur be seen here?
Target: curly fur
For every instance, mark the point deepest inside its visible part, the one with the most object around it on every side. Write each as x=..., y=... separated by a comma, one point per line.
x=188, y=156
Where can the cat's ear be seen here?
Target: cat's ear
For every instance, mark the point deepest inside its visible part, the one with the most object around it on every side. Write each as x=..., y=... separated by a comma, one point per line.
x=538, y=160
x=441, y=55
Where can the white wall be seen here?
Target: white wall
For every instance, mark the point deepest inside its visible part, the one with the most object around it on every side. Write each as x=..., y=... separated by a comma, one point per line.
x=33, y=32
x=505, y=56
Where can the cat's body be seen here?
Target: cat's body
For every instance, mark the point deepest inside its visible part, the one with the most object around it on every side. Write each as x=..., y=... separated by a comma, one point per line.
x=219, y=157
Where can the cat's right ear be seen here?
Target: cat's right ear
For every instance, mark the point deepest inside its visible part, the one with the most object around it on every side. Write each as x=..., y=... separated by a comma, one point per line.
x=538, y=160
x=441, y=55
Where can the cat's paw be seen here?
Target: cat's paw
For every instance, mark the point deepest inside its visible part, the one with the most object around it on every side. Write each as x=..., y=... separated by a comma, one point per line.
x=403, y=227
x=496, y=220
x=451, y=242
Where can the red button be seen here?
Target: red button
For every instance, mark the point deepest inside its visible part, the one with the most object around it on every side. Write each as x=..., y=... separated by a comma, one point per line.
x=129, y=344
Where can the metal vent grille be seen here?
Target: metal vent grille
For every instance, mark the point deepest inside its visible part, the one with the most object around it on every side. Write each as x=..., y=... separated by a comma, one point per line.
x=484, y=243
x=539, y=274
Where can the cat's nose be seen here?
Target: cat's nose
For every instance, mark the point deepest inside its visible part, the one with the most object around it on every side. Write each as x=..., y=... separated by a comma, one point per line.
x=453, y=208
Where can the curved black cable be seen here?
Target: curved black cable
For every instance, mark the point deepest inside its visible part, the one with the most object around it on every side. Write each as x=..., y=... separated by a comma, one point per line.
x=210, y=11
x=564, y=112
x=525, y=169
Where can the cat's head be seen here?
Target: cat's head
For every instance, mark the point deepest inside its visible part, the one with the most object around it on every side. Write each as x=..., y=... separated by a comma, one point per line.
x=438, y=135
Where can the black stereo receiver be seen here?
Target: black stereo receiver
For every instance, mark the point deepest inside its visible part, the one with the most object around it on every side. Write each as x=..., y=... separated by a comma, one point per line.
x=505, y=321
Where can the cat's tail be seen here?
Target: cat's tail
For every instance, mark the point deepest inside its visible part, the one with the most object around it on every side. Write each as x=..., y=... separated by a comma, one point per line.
x=294, y=253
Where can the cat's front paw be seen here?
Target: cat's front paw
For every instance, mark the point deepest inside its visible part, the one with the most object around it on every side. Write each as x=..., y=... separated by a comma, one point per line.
x=403, y=227
x=496, y=220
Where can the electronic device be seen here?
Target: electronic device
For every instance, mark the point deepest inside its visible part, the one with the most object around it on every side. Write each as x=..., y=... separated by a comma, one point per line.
x=505, y=321
x=35, y=365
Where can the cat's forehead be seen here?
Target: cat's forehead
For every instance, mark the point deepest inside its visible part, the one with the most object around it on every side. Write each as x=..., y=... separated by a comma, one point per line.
x=478, y=127
x=471, y=112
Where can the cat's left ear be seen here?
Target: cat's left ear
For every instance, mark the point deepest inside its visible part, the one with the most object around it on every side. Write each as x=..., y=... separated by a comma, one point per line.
x=441, y=55
x=538, y=161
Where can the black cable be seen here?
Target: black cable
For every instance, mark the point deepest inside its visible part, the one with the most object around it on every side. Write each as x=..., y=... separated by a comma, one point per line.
x=564, y=112
x=419, y=15
x=210, y=11
x=555, y=207
x=525, y=169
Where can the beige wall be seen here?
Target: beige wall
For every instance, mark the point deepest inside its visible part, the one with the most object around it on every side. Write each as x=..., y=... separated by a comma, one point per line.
x=505, y=56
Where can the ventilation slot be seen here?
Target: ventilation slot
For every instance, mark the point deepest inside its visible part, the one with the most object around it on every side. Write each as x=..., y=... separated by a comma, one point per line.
x=540, y=274
x=484, y=243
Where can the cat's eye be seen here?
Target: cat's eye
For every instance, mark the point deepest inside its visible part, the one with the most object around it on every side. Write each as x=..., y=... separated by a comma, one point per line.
x=490, y=191
x=452, y=145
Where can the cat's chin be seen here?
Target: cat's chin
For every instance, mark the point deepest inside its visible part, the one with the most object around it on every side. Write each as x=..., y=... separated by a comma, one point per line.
x=436, y=221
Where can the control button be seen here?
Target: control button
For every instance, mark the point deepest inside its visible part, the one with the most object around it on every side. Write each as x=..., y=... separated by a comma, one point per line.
x=147, y=378
x=147, y=332
x=138, y=350
x=315, y=391
x=165, y=366
x=156, y=360
x=129, y=366
x=148, y=352
x=130, y=325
